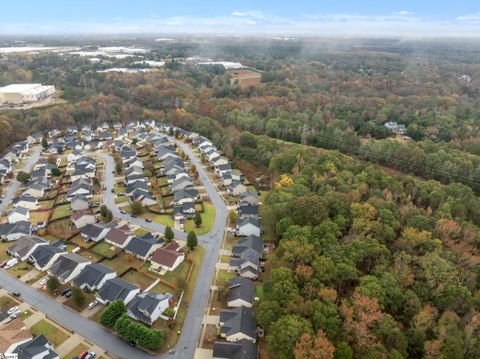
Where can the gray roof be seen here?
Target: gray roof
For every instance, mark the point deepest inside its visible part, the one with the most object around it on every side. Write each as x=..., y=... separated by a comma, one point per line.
x=92, y=275
x=24, y=244
x=247, y=220
x=21, y=210
x=43, y=254
x=141, y=246
x=243, y=349
x=116, y=288
x=18, y=227
x=143, y=305
x=241, y=288
x=238, y=320
x=248, y=210
x=66, y=264
x=35, y=347
x=250, y=242
x=92, y=230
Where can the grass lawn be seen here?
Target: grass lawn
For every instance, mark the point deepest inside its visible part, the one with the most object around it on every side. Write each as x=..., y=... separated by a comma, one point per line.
x=55, y=335
x=105, y=250
x=62, y=229
x=171, y=335
x=6, y=302
x=163, y=288
x=138, y=278
x=208, y=219
x=229, y=242
x=225, y=259
x=45, y=204
x=180, y=272
x=165, y=219
x=121, y=200
x=259, y=291
x=20, y=269
x=119, y=189
x=3, y=247
x=62, y=211
x=50, y=238
x=89, y=297
x=94, y=257
x=36, y=217
x=121, y=263
x=76, y=351
x=80, y=242
x=140, y=232
x=224, y=275
x=25, y=314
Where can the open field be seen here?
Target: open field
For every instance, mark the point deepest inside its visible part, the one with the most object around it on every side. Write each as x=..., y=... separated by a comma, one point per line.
x=245, y=77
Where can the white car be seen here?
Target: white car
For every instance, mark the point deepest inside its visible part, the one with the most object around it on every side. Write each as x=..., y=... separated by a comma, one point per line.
x=43, y=281
x=93, y=304
x=11, y=263
x=12, y=309
x=15, y=314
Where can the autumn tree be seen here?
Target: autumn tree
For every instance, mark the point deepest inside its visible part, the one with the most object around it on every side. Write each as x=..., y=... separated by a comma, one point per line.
x=314, y=348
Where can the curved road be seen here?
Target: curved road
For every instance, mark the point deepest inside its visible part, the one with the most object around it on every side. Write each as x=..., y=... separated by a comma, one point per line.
x=211, y=242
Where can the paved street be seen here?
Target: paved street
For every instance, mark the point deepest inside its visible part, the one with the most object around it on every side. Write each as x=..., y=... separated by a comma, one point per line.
x=15, y=185
x=95, y=333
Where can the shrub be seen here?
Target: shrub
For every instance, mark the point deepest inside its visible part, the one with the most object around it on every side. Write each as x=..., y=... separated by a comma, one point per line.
x=111, y=313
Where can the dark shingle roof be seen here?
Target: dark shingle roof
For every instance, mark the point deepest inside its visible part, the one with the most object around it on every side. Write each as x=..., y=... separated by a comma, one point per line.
x=116, y=288
x=241, y=288
x=238, y=320
x=243, y=349
x=92, y=275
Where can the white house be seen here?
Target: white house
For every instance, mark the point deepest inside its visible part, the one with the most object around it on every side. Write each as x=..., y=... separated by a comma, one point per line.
x=18, y=214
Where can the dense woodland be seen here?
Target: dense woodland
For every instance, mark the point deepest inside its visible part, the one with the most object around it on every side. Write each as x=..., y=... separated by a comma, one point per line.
x=372, y=261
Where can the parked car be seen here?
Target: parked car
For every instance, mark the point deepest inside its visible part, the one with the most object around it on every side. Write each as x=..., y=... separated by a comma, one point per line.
x=148, y=220
x=113, y=191
x=43, y=281
x=10, y=263
x=132, y=343
x=91, y=355
x=15, y=314
x=3, y=264
x=122, y=211
x=93, y=304
x=11, y=310
x=134, y=216
x=16, y=294
x=68, y=294
x=65, y=291
x=83, y=355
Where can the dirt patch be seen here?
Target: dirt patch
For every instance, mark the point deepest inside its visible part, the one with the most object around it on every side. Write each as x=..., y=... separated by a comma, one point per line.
x=245, y=78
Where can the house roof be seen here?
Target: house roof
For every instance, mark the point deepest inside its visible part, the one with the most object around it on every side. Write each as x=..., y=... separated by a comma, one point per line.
x=92, y=230
x=238, y=320
x=92, y=275
x=24, y=244
x=79, y=198
x=19, y=210
x=249, y=197
x=35, y=347
x=241, y=288
x=79, y=214
x=43, y=254
x=116, y=288
x=118, y=236
x=66, y=264
x=141, y=246
x=243, y=349
x=144, y=304
x=248, y=210
x=18, y=227
x=250, y=242
x=247, y=220
x=13, y=332
x=165, y=257
x=185, y=193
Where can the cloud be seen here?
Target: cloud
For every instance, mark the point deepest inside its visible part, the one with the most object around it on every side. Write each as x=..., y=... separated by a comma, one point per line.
x=398, y=24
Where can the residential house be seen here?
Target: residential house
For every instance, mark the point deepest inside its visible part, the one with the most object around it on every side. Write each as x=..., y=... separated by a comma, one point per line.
x=67, y=267
x=186, y=195
x=147, y=307
x=167, y=258
x=44, y=256
x=247, y=265
x=83, y=218
x=144, y=197
x=94, y=232
x=93, y=277
x=18, y=214
x=250, y=242
x=26, y=201
x=237, y=324
x=13, y=231
x=222, y=169
x=79, y=203
x=25, y=246
x=236, y=188
x=248, y=199
x=13, y=334
x=37, y=348
x=118, y=237
x=248, y=227
x=241, y=292
x=117, y=288
x=135, y=186
x=396, y=127
x=237, y=175
x=243, y=349
x=144, y=246
x=181, y=183
x=218, y=161
x=248, y=212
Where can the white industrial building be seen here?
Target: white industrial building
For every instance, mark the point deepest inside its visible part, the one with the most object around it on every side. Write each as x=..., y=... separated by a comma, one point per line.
x=24, y=93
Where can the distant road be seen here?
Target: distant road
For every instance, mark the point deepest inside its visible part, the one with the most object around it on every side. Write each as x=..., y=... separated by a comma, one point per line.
x=15, y=185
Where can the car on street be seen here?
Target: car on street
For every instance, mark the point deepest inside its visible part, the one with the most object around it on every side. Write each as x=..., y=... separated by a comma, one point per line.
x=134, y=216
x=113, y=191
x=123, y=212
x=92, y=304
x=148, y=220
x=132, y=343
x=16, y=294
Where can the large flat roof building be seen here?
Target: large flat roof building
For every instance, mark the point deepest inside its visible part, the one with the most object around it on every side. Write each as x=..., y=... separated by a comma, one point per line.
x=24, y=93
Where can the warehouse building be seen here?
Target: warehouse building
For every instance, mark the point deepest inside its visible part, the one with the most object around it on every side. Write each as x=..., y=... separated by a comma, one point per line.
x=24, y=93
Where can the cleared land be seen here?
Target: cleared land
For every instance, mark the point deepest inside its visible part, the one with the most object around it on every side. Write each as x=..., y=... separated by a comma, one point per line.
x=245, y=78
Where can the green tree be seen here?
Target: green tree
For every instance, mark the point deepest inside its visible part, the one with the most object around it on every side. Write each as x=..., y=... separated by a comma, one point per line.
x=55, y=171
x=53, y=284
x=136, y=207
x=23, y=177
x=44, y=142
x=112, y=312
x=118, y=167
x=78, y=297
x=169, y=235
x=198, y=220
x=192, y=241
x=232, y=216
x=283, y=335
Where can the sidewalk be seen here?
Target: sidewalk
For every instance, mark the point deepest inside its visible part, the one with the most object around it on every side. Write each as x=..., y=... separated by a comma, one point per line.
x=67, y=346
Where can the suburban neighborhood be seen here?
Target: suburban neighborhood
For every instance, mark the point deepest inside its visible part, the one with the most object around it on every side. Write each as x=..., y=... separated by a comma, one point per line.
x=122, y=216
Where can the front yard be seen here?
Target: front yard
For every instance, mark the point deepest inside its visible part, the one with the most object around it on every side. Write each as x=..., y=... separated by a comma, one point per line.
x=208, y=219
x=55, y=335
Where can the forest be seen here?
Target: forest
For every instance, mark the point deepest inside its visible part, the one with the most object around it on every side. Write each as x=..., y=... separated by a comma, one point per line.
x=376, y=234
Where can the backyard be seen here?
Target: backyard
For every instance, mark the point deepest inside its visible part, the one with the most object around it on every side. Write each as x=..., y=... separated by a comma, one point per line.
x=61, y=211
x=105, y=250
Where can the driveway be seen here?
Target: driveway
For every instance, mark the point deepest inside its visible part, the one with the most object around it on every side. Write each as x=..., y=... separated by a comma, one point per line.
x=94, y=332
x=15, y=185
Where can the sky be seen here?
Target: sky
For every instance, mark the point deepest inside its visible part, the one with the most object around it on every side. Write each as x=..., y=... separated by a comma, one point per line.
x=412, y=18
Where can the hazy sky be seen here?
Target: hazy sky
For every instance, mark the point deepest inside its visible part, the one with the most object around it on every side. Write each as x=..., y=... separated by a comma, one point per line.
x=314, y=17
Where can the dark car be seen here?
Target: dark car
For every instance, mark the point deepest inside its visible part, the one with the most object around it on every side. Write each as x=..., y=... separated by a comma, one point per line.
x=148, y=220
x=134, y=215
x=113, y=191
x=16, y=294
x=66, y=291
x=132, y=343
